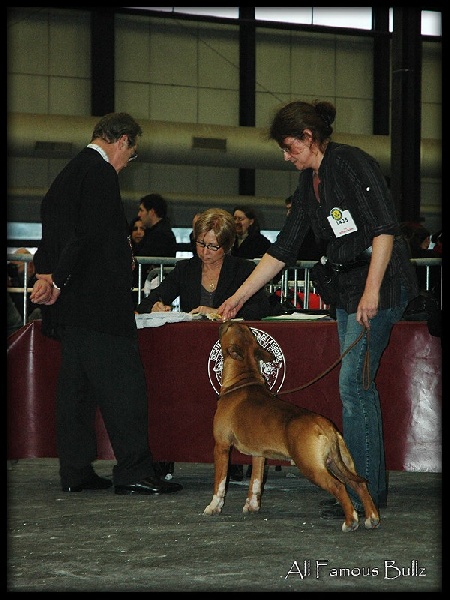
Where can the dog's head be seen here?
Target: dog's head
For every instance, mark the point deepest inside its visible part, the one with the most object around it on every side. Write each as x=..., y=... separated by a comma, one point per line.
x=240, y=345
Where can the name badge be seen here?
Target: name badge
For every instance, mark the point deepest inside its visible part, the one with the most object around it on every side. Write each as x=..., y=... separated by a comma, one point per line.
x=341, y=222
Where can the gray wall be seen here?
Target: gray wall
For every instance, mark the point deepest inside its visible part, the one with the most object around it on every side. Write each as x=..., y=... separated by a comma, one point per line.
x=188, y=73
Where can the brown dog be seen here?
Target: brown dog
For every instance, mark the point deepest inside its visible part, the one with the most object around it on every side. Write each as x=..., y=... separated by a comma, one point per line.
x=257, y=423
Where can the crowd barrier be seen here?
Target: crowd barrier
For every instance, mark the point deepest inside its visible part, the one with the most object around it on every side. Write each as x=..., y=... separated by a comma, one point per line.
x=294, y=282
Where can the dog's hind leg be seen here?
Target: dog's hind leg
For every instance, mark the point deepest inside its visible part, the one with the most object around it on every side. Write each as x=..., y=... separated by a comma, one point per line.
x=253, y=500
x=313, y=464
x=221, y=457
x=359, y=485
x=322, y=478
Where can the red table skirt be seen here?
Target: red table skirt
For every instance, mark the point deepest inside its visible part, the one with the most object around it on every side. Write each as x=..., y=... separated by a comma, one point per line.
x=183, y=378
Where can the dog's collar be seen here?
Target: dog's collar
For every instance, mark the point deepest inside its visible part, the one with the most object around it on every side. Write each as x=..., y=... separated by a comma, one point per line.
x=239, y=385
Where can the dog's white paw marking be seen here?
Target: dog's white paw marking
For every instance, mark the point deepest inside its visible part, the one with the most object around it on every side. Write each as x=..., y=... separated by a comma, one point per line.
x=215, y=506
x=256, y=487
x=353, y=527
x=372, y=523
x=251, y=504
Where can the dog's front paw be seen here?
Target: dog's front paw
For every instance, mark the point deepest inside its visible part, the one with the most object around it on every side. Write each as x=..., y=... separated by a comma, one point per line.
x=251, y=505
x=214, y=507
x=352, y=527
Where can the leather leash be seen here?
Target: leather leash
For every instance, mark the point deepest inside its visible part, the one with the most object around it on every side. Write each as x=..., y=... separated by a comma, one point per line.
x=366, y=371
x=366, y=366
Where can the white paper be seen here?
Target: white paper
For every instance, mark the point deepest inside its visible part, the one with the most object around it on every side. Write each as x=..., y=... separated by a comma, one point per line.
x=156, y=319
x=297, y=317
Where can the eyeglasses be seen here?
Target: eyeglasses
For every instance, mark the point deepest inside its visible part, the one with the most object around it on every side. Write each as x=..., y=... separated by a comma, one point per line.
x=213, y=247
x=133, y=157
x=287, y=148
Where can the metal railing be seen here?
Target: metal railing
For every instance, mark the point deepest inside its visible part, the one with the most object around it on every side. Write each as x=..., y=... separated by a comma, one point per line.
x=293, y=280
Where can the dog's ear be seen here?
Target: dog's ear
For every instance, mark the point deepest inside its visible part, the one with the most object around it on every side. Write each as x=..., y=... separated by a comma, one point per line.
x=263, y=355
x=235, y=352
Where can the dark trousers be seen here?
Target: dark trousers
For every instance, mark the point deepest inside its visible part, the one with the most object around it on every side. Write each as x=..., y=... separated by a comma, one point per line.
x=104, y=371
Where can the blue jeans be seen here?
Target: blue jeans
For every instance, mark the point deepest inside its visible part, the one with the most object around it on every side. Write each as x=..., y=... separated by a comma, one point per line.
x=361, y=411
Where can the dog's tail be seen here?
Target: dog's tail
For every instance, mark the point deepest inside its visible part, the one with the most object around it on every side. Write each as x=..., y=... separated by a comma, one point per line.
x=340, y=463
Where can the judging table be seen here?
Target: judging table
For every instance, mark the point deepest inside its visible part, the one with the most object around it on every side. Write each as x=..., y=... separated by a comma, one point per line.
x=182, y=363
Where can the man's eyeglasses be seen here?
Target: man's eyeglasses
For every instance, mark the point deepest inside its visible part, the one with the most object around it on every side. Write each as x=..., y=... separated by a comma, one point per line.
x=133, y=157
x=213, y=247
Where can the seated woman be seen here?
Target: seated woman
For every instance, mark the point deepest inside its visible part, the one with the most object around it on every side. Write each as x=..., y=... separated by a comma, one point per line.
x=204, y=281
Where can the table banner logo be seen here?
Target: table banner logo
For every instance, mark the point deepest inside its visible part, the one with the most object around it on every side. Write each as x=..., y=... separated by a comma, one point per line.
x=274, y=371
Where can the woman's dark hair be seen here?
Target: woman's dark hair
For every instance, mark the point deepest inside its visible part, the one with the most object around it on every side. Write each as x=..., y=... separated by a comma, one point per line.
x=293, y=118
x=113, y=126
x=415, y=234
x=250, y=214
x=133, y=224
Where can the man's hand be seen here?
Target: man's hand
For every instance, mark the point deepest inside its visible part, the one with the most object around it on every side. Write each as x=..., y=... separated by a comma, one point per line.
x=43, y=291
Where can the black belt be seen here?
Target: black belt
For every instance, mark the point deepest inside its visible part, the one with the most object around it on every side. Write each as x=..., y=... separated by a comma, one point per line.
x=361, y=260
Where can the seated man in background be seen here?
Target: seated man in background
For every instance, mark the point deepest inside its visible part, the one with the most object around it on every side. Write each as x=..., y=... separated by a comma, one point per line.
x=159, y=239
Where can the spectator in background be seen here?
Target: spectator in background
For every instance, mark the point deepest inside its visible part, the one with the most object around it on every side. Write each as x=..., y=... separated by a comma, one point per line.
x=137, y=232
x=250, y=242
x=159, y=239
x=418, y=238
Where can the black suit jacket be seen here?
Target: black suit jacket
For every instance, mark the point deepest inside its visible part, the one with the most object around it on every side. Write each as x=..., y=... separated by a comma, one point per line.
x=85, y=245
x=185, y=281
x=158, y=240
x=254, y=246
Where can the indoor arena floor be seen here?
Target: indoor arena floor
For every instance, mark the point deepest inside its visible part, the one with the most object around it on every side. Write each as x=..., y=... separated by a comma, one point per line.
x=100, y=542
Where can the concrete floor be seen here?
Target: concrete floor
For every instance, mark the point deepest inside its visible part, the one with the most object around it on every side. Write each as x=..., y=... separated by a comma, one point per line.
x=100, y=542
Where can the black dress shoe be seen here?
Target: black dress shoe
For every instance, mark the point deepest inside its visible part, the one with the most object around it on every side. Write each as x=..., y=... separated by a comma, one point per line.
x=149, y=485
x=236, y=472
x=93, y=483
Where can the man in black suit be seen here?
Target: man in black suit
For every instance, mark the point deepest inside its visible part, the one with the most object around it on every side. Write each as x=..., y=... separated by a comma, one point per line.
x=84, y=289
